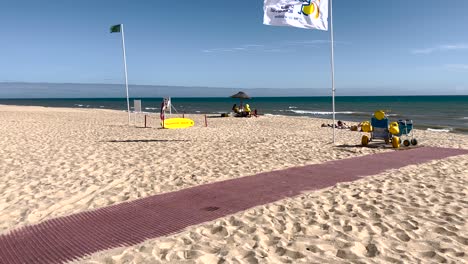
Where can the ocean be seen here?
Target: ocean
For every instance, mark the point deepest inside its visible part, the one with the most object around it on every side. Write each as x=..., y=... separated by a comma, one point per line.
x=439, y=113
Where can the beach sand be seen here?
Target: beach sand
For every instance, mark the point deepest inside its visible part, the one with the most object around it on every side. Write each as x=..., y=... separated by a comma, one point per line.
x=59, y=161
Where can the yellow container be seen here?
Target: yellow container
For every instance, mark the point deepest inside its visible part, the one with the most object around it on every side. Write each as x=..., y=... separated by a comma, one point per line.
x=396, y=142
x=379, y=115
x=394, y=129
x=366, y=126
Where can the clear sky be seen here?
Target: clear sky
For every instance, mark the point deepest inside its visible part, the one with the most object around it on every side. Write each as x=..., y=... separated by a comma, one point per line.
x=379, y=44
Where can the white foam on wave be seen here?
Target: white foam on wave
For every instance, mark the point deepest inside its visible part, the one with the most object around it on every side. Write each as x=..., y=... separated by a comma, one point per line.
x=320, y=112
x=151, y=108
x=443, y=130
x=292, y=107
x=79, y=105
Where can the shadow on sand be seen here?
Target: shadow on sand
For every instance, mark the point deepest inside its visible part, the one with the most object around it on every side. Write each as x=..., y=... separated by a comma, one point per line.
x=145, y=140
x=381, y=146
x=216, y=116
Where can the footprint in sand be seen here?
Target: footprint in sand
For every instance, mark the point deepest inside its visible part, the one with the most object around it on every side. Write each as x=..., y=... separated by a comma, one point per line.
x=314, y=249
x=372, y=250
x=277, y=208
x=219, y=231
x=428, y=254
x=408, y=226
x=347, y=228
x=346, y=254
x=401, y=235
x=443, y=231
x=280, y=251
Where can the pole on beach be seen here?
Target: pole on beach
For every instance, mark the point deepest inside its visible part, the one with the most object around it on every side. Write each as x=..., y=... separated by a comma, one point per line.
x=332, y=58
x=116, y=29
x=125, y=68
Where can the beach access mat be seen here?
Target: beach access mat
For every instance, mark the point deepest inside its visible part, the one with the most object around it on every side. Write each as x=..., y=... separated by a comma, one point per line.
x=71, y=237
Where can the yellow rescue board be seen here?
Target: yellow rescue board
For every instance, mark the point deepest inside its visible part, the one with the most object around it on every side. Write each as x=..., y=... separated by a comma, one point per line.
x=174, y=123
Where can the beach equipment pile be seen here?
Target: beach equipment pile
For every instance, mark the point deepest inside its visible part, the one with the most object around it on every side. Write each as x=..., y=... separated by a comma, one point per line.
x=380, y=127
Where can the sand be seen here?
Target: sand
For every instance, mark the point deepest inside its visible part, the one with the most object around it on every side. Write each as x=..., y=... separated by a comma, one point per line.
x=59, y=161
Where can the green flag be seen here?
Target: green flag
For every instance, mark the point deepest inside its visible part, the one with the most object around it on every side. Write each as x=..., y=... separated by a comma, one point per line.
x=115, y=28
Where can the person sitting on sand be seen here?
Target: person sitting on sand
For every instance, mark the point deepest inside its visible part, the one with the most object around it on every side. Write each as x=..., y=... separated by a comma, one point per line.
x=235, y=109
x=340, y=124
x=255, y=113
x=247, y=110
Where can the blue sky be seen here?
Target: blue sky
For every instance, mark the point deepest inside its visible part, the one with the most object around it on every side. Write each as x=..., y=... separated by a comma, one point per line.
x=380, y=45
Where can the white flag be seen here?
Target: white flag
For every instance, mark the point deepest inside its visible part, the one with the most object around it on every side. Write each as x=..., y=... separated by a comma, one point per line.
x=311, y=14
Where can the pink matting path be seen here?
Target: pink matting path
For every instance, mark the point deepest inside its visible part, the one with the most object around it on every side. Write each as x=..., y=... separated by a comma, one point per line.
x=71, y=237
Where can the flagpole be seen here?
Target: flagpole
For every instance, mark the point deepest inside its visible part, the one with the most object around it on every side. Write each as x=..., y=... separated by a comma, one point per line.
x=332, y=67
x=125, y=67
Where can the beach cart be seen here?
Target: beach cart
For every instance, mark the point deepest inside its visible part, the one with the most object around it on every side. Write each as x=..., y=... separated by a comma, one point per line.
x=406, y=132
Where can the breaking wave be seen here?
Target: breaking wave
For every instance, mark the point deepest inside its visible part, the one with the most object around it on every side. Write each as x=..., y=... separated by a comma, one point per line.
x=321, y=112
x=444, y=130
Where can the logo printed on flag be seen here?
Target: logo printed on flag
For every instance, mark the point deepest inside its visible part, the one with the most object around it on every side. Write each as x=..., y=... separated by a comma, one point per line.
x=310, y=8
x=310, y=14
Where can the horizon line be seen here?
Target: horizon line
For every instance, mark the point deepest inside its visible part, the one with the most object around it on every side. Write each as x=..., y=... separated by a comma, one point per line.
x=179, y=86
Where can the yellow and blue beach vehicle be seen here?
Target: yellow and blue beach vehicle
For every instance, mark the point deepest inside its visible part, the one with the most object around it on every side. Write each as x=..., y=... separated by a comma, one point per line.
x=380, y=128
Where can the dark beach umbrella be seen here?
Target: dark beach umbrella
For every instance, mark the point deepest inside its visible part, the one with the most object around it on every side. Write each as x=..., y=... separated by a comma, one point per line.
x=241, y=96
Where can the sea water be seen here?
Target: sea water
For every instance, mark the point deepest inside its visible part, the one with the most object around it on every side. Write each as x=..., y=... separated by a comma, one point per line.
x=437, y=113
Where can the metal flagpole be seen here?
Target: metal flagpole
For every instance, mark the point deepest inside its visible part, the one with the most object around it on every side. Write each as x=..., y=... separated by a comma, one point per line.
x=332, y=67
x=125, y=67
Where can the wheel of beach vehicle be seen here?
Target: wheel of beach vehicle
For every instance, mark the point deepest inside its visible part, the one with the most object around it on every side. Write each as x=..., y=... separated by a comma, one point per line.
x=365, y=140
x=406, y=143
x=414, y=142
x=395, y=142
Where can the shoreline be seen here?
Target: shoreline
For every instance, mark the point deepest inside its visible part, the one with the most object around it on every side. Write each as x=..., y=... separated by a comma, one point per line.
x=418, y=126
